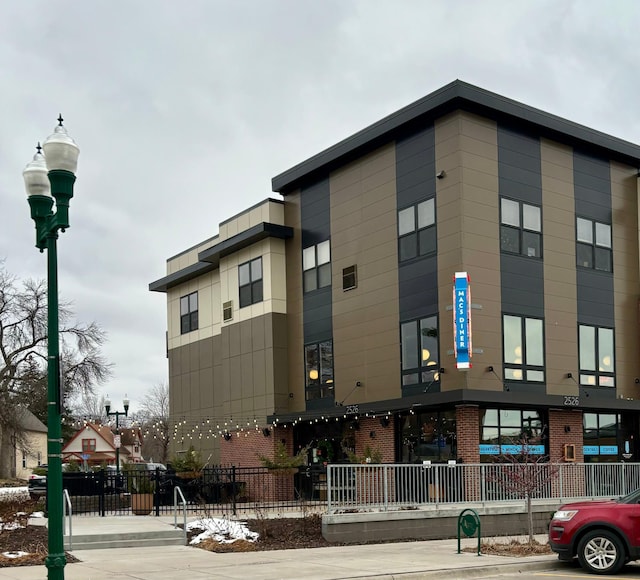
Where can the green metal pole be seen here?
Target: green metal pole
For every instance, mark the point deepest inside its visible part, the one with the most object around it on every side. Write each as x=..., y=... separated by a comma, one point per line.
x=55, y=560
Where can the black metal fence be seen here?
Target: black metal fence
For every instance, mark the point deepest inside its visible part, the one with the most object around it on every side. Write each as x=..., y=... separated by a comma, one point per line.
x=215, y=490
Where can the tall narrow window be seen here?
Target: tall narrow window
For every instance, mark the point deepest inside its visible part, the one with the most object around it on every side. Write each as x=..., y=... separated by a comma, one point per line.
x=420, y=352
x=597, y=356
x=416, y=230
x=316, y=266
x=593, y=245
x=523, y=350
x=520, y=228
x=189, y=313
x=250, y=282
x=318, y=359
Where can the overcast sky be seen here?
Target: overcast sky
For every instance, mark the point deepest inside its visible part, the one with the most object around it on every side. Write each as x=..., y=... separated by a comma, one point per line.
x=184, y=111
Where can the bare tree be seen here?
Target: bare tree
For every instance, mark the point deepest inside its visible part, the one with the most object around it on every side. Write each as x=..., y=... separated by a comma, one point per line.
x=154, y=419
x=90, y=406
x=23, y=355
x=524, y=475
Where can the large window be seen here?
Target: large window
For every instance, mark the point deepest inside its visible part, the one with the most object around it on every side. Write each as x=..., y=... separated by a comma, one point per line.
x=523, y=349
x=417, y=230
x=428, y=436
x=597, y=356
x=593, y=245
x=189, y=313
x=420, y=352
x=318, y=359
x=250, y=282
x=520, y=228
x=316, y=266
x=505, y=431
x=600, y=436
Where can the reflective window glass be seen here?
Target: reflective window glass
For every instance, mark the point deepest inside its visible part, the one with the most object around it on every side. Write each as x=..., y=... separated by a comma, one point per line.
x=510, y=212
x=426, y=213
x=309, y=258
x=406, y=221
x=531, y=217
x=603, y=235
x=584, y=230
x=324, y=252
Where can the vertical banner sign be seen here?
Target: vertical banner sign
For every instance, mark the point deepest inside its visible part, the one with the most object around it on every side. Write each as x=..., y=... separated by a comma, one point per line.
x=462, y=320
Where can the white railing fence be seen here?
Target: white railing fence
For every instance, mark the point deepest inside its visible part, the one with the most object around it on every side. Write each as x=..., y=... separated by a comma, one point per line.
x=396, y=486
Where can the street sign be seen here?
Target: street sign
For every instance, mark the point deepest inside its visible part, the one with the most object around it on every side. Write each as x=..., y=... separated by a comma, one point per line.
x=116, y=441
x=85, y=456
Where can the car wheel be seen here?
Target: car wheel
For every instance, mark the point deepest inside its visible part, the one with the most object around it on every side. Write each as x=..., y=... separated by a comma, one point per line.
x=601, y=552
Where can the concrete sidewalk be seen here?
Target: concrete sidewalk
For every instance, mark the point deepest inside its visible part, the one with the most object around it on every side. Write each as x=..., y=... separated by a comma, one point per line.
x=405, y=560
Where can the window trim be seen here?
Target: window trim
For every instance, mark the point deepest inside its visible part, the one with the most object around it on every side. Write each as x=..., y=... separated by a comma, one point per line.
x=596, y=372
x=190, y=317
x=426, y=374
x=593, y=246
x=318, y=379
x=89, y=447
x=255, y=286
x=317, y=270
x=520, y=228
x=417, y=230
x=524, y=367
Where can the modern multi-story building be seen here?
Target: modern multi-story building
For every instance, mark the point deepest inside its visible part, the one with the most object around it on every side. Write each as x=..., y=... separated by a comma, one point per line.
x=328, y=317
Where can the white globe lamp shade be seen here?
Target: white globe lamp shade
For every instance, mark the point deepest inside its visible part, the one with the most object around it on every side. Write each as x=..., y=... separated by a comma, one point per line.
x=60, y=150
x=35, y=177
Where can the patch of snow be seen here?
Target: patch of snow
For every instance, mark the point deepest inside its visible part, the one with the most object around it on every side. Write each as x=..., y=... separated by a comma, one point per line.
x=221, y=530
x=10, y=526
x=21, y=492
x=15, y=554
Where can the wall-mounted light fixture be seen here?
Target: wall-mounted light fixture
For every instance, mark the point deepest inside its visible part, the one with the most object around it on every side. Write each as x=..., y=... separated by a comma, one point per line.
x=384, y=421
x=372, y=434
x=441, y=174
x=227, y=436
x=567, y=428
x=266, y=432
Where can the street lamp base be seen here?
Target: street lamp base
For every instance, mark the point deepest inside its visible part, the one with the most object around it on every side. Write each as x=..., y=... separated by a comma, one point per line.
x=55, y=564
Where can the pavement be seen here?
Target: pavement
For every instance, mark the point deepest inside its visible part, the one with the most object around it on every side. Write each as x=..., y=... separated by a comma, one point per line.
x=392, y=561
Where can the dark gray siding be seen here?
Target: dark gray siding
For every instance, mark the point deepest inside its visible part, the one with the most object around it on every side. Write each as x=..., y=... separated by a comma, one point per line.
x=592, y=187
x=315, y=224
x=519, y=178
x=416, y=181
x=418, y=278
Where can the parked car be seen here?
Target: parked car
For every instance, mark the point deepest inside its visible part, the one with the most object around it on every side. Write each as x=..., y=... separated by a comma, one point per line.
x=37, y=485
x=603, y=535
x=77, y=482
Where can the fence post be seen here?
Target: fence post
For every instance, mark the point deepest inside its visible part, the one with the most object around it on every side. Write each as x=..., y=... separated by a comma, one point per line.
x=102, y=480
x=385, y=487
x=329, y=492
x=233, y=488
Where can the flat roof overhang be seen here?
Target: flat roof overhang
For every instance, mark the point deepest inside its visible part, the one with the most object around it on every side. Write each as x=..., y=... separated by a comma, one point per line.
x=454, y=96
x=586, y=402
x=209, y=259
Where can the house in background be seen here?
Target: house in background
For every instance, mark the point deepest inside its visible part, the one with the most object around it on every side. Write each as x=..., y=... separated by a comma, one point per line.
x=96, y=445
x=32, y=450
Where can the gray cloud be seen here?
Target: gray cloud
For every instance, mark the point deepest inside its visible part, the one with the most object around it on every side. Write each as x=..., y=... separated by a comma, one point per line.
x=184, y=111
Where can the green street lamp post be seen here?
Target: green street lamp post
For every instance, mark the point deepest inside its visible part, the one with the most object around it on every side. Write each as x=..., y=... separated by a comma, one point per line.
x=107, y=406
x=53, y=173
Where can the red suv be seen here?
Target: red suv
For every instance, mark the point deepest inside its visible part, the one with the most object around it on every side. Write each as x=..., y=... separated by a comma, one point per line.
x=604, y=535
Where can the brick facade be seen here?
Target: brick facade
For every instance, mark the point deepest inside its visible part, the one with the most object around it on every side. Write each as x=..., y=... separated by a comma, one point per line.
x=468, y=433
x=565, y=427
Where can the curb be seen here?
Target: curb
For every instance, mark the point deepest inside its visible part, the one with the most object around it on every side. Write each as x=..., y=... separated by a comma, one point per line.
x=465, y=573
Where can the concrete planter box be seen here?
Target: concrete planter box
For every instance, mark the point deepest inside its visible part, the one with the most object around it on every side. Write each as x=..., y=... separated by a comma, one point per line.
x=434, y=523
